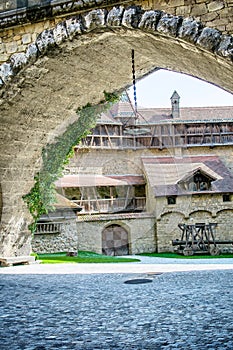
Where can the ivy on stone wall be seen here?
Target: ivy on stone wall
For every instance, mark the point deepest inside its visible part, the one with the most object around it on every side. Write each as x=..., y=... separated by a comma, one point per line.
x=56, y=155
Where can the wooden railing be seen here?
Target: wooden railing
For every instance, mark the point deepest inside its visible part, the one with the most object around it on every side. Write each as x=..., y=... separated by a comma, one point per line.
x=163, y=136
x=48, y=227
x=111, y=205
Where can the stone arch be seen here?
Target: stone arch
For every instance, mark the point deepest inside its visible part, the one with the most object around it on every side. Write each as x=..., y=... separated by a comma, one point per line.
x=224, y=210
x=71, y=65
x=172, y=212
x=201, y=215
x=188, y=32
x=115, y=240
x=167, y=230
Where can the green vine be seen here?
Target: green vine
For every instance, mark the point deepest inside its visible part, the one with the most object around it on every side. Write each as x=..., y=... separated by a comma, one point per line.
x=42, y=197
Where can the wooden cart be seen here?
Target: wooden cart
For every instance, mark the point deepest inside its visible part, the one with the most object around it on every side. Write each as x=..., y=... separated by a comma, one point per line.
x=198, y=238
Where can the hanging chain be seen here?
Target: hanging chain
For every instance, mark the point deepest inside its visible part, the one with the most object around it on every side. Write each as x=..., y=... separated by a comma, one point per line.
x=134, y=84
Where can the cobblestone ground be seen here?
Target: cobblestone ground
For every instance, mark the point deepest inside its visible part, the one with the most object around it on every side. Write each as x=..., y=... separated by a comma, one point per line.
x=189, y=310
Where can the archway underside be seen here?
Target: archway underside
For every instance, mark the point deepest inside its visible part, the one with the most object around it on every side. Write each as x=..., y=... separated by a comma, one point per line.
x=43, y=99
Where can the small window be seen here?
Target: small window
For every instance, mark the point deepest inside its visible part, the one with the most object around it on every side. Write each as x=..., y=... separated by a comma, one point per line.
x=171, y=200
x=226, y=198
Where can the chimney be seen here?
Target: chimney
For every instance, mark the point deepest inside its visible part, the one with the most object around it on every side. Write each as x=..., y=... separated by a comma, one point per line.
x=175, y=100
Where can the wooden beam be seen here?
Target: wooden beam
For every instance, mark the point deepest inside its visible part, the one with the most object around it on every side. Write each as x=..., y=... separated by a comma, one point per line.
x=109, y=138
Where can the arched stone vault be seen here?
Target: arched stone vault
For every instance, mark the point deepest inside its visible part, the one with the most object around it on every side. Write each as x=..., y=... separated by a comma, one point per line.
x=45, y=91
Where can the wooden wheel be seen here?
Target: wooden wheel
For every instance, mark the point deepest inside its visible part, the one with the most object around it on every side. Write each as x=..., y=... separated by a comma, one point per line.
x=188, y=251
x=214, y=251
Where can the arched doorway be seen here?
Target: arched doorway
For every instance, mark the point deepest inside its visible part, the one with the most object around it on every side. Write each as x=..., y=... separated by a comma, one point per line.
x=115, y=240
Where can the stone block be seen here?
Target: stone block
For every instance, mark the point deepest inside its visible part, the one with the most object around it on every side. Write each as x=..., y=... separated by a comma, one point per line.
x=199, y=10
x=177, y=3
x=32, y=53
x=189, y=29
x=169, y=24
x=2, y=48
x=15, y=260
x=226, y=46
x=132, y=17
x=229, y=28
x=209, y=38
x=17, y=37
x=150, y=20
x=209, y=16
x=60, y=33
x=215, y=6
x=6, y=72
x=45, y=40
x=183, y=10
x=22, y=48
x=11, y=47
x=95, y=19
x=26, y=39
x=18, y=61
x=115, y=16
x=73, y=27
x=39, y=27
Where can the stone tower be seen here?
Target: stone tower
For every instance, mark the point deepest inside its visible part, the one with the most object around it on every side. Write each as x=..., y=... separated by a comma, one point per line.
x=175, y=101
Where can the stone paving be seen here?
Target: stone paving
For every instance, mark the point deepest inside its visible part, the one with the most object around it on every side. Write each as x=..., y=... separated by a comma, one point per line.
x=177, y=310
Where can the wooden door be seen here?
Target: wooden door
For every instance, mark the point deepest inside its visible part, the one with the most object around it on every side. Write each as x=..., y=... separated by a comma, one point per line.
x=115, y=241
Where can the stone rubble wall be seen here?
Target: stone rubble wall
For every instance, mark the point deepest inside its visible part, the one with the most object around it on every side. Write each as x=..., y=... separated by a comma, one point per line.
x=66, y=241
x=198, y=208
x=212, y=13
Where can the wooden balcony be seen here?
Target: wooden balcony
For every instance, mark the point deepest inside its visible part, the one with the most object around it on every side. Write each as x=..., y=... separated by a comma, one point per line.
x=112, y=205
x=168, y=135
x=48, y=228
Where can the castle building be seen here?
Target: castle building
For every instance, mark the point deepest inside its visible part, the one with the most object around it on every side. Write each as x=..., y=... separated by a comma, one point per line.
x=138, y=175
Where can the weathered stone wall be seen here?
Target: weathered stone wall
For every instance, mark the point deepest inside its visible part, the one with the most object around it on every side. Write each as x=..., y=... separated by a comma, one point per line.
x=129, y=161
x=187, y=205
x=198, y=208
x=140, y=228
x=213, y=13
x=18, y=38
x=105, y=162
x=66, y=241
x=71, y=65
